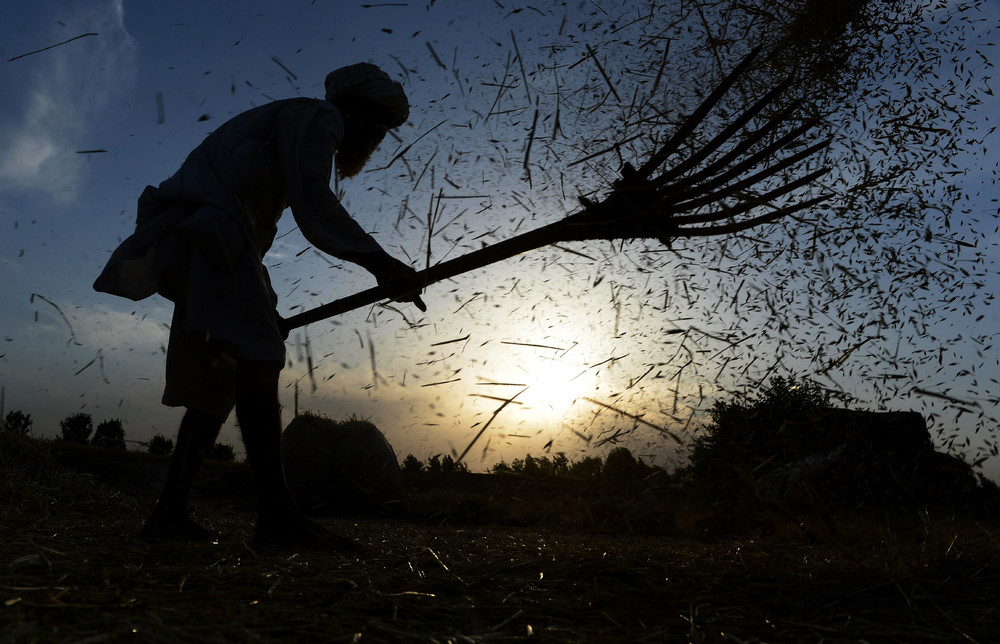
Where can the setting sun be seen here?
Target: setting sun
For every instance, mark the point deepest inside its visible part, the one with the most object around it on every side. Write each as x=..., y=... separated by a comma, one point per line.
x=554, y=386
x=542, y=386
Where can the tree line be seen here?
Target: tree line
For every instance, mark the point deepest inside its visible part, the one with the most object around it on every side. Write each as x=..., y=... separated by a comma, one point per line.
x=619, y=463
x=109, y=434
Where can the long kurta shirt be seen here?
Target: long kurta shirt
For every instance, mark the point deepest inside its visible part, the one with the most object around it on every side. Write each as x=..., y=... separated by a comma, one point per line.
x=233, y=188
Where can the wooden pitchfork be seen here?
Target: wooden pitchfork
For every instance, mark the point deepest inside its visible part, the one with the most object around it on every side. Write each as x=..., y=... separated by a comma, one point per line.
x=663, y=207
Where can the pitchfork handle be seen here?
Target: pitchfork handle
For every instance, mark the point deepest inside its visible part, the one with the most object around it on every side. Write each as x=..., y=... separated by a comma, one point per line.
x=485, y=256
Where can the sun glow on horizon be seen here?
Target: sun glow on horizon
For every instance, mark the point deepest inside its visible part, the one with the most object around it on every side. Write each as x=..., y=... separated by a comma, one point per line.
x=544, y=387
x=556, y=387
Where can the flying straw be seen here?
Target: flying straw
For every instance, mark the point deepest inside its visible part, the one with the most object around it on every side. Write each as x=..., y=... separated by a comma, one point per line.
x=696, y=197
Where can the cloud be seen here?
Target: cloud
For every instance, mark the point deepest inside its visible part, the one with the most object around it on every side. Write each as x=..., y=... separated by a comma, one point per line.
x=99, y=326
x=27, y=152
x=64, y=99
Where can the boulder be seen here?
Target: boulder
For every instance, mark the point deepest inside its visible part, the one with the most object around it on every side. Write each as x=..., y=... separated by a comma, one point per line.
x=341, y=467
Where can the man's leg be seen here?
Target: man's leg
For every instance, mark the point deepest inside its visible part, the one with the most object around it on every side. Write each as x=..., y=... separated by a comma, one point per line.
x=170, y=519
x=259, y=416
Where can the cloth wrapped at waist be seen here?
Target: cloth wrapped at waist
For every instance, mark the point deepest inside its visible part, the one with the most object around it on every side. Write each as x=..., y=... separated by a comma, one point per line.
x=163, y=229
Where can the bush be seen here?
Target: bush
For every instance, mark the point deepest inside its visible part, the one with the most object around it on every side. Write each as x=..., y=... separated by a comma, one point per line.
x=222, y=452
x=448, y=464
x=412, y=464
x=560, y=464
x=537, y=466
x=17, y=422
x=747, y=437
x=587, y=468
x=620, y=464
x=160, y=445
x=76, y=428
x=501, y=468
x=528, y=466
x=109, y=434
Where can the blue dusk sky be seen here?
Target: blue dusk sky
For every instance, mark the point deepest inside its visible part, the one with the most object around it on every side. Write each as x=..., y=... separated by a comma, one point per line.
x=574, y=330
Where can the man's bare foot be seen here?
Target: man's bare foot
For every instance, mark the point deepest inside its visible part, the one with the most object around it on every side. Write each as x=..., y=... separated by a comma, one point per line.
x=180, y=527
x=296, y=531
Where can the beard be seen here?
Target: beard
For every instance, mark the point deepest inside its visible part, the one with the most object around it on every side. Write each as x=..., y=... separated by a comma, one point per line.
x=356, y=149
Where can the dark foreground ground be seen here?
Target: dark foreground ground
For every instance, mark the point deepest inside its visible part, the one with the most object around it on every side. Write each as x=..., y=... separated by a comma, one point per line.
x=71, y=570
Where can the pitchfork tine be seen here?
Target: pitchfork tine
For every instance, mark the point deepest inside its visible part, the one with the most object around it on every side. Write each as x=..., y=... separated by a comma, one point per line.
x=708, y=231
x=696, y=117
x=692, y=200
x=724, y=135
x=743, y=146
x=750, y=204
x=685, y=189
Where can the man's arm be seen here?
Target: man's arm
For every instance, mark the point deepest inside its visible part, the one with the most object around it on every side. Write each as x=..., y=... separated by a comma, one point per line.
x=308, y=135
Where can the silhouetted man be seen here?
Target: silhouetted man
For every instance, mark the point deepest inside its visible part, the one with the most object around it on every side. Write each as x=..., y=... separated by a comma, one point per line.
x=200, y=240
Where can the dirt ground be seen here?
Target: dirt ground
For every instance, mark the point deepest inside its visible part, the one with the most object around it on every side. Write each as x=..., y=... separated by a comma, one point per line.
x=73, y=571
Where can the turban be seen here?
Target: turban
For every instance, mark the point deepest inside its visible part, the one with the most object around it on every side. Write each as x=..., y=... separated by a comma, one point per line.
x=367, y=81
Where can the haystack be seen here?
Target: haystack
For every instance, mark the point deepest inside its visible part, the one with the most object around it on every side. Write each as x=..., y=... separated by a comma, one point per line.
x=868, y=459
x=342, y=467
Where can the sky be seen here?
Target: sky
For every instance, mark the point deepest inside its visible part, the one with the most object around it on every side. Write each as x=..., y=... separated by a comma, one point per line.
x=573, y=331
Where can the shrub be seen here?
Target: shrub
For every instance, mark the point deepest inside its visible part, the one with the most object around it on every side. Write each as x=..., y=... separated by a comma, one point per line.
x=588, y=467
x=501, y=467
x=17, y=422
x=76, y=428
x=527, y=466
x=560, y=464
x=747, y=435
x=620, y=464
x=412, y=464
x=222, y=452
x=160, y=445
x=537, y=466
x=448, y=464
x=109, y=434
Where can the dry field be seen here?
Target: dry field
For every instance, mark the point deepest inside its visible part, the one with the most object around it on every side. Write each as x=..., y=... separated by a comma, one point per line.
x=73, y=571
